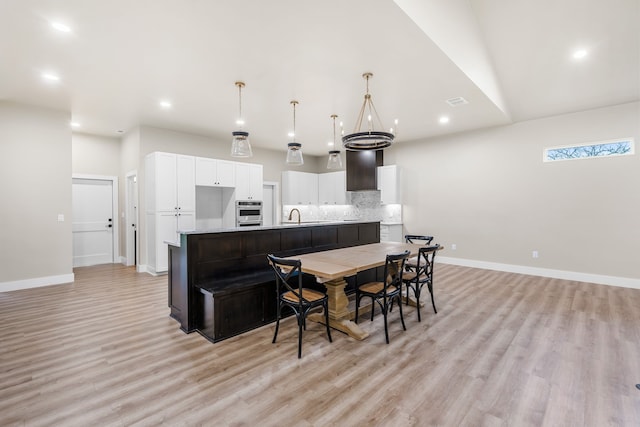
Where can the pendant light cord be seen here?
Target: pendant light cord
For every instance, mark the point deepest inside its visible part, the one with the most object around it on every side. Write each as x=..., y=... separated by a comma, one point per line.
x=294, y=119
x=240, y=119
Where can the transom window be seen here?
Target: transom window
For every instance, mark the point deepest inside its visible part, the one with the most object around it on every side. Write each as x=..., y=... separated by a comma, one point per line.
x=614, y=147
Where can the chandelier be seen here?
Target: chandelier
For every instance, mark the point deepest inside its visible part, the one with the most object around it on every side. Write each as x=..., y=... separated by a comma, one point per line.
x=369, y=139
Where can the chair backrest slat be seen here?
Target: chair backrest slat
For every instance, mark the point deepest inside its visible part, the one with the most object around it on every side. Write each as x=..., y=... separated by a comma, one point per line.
x=426, y=257
x=393, y=268
x=417, y=238
x=288, y=276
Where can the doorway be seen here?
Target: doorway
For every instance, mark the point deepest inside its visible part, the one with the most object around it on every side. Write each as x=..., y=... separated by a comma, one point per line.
x=131, y=219
x=94, y=224
x=270, y=205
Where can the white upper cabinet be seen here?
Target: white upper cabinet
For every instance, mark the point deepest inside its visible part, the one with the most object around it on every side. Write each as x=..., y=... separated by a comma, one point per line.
x=299, y=188
x=248, y=181
x=170, y=182
x=389, y=184
x=185, y=183
x=332, y=188
x=215, y=173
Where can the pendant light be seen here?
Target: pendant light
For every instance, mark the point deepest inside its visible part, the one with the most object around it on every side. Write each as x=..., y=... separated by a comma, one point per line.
x=370, y=139
x=335, y=161
x=294, y=149
x=240, y=147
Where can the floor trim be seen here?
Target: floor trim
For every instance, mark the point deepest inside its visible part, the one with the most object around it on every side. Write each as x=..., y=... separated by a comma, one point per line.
x=36, y=282
x=624, y=282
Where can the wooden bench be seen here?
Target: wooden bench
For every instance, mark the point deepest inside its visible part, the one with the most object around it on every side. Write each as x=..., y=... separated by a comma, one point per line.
x=237, y=304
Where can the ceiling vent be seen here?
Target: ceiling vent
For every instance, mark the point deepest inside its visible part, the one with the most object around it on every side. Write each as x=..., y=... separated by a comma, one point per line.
x=454, y=102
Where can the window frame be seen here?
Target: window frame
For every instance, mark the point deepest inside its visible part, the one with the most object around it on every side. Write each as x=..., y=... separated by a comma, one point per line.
x=629, y=140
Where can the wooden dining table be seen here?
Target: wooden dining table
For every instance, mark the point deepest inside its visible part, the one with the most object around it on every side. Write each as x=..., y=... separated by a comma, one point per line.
x=333, y=266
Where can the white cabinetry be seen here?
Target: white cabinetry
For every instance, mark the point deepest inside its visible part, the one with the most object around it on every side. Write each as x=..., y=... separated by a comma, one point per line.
x=389, y=184
x=215, y=173
x=332, y=188
x=299, y=188
x=170, y=203
x=248, y=181
x=391, y=233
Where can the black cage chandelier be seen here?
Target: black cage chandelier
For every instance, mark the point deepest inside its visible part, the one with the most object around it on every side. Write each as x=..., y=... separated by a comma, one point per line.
x=370, y=139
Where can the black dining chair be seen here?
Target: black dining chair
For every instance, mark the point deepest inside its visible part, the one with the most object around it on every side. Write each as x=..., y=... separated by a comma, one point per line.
x=416, y=239
x=387, y=291
x=291, y=293
x=422, y=274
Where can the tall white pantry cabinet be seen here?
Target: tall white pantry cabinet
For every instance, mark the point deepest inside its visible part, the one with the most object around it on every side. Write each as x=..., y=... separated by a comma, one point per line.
x=170, y=203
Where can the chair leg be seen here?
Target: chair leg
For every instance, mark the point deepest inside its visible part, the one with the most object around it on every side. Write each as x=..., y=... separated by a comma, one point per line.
x=357, y=306
x=433, y=303
x=326, y=319
x=373, y=307
x=386, y=328
x=401, y=315
x=406, y=301
x=277, y=326
x=417, y=294
x=300, y=322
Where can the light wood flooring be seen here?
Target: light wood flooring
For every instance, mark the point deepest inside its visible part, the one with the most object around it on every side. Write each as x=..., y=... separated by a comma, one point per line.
x=503, y=350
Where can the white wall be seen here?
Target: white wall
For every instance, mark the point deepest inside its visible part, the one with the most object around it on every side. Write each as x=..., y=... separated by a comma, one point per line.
x=95, y=155
x=490, y=193
x=35, y=171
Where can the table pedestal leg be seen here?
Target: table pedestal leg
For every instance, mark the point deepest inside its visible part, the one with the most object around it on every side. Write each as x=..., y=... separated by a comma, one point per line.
x=339, y=315
x=412, y=299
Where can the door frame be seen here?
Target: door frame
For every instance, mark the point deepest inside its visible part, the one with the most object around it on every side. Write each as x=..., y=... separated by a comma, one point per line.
x=131, y=213
x=277, y=219
x=114, y=206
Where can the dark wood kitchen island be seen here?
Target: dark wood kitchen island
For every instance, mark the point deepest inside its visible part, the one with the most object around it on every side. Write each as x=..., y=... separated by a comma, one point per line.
x=220, y=283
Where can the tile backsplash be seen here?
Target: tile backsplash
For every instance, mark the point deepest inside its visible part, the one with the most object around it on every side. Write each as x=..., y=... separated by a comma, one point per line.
x=364, y=205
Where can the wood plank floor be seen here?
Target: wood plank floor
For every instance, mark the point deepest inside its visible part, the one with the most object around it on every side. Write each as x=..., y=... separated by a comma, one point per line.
x=503, y=350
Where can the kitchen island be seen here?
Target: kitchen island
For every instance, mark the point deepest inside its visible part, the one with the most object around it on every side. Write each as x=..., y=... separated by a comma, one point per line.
x=220, y=283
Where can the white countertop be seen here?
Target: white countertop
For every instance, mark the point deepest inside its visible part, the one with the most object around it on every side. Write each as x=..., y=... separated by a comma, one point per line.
x=271, y=227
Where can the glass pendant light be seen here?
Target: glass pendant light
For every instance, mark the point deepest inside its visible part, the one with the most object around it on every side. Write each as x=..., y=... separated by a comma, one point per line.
x=294, y=149
x=240, y=147
x=335, y=161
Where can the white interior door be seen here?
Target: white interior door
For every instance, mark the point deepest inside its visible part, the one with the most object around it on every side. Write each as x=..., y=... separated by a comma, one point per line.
x=93, y=222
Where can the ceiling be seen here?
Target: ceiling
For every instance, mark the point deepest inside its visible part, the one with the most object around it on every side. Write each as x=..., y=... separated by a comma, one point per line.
x=511, y=60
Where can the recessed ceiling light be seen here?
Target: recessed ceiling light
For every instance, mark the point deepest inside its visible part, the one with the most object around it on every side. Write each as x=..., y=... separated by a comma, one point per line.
x=61, y=27
x=443, y=120
x=580, y=53
x=330, y=143
x=291, y=134
x=50, y=77
x=165, y=104
x=74, y=125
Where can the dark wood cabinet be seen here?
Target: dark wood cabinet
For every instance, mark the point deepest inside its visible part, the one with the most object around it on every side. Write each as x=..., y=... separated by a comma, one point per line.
x=361, y=169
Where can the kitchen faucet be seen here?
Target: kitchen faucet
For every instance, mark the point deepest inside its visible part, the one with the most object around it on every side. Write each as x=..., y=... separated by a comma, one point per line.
x=291, y=214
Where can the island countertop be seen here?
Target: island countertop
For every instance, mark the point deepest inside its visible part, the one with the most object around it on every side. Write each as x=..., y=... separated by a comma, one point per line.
x=276, y=226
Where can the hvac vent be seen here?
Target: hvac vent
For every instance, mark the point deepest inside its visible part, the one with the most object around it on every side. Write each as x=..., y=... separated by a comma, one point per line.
x=454, y=102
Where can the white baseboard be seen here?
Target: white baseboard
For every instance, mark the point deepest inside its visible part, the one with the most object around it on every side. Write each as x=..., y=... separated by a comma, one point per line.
x=36, y=282
x=624, y=282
